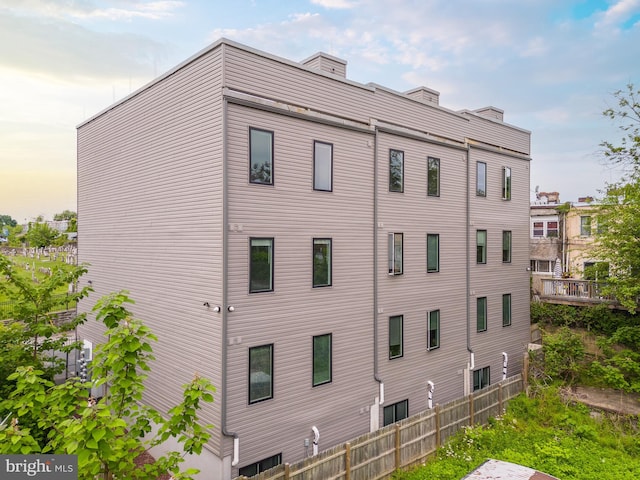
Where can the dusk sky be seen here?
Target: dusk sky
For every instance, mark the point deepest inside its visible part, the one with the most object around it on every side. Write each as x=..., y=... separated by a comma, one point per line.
x=551, y=65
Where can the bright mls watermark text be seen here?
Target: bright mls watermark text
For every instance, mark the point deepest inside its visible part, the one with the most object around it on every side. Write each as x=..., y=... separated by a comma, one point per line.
x=51, y=467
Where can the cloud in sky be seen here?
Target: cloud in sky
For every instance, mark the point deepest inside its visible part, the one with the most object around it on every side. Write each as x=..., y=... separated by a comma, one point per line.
x=550, y=65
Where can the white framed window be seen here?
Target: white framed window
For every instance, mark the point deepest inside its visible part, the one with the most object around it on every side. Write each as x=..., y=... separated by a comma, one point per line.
x=481, y=179
x=481, y=378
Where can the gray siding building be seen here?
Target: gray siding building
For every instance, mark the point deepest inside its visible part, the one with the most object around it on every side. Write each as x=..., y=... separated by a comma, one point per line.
x=330, y=254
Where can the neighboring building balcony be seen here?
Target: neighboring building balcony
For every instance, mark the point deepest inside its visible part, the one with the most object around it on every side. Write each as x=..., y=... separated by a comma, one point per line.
x=570, y=291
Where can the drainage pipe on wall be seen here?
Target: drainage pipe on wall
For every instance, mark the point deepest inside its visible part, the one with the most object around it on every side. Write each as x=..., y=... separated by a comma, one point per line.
x=468, y=268
x=431, y=388
x=225, y=311
x=316, y=439
x=505, y=361
x=376, y=373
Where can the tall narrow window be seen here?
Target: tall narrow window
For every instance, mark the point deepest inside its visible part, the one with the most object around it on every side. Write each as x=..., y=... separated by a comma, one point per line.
x=321, y=262
x=506, y=183
x=322, y=359
x=433, y=329
x=481, y=246
x=395, y=253
x=261, y=267
x=506, y=309
x=481, y=315
x=396, y=171
x=261, y=156
x=433, y=177
x=322, y=166
x=260, y=373
x=481, y=179
x=395, y=336
x=433, y=252
x=481, y=378
x=506, y=246
x=395, y=412
x=585, y=226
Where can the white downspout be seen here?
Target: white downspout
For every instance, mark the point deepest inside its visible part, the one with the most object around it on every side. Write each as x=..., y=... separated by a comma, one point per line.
x=505, y=361
x=381, y=393
x=432, y=388
x=316, y=438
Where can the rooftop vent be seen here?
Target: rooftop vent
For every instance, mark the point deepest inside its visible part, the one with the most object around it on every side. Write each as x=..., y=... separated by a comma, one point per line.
x=491, y=112
x=327, y=63
x=424, y=94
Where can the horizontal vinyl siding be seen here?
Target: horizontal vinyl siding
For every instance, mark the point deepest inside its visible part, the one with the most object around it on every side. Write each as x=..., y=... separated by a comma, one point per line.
x=293, y=214
x=416, y=292
x=150, y=218
x=496, y=278
x=246, y=71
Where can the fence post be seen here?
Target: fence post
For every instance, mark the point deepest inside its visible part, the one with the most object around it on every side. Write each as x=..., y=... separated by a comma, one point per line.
x=525, y=371
x=287, y=471
x=500, y=399
x=471, y=413
x=347, y=461
x=437, y=425
x=397, y=452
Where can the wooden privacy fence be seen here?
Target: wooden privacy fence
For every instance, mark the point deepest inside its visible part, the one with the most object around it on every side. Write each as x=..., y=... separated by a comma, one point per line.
x=409, y=442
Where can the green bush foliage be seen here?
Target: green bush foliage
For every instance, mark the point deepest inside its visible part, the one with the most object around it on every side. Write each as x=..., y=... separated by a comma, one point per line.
x=546, y=434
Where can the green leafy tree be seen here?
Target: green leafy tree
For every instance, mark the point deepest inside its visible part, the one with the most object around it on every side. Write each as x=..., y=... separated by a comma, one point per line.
x=5, y=222
x=65, y=215
x=41, y=235
x=619, y=213
x=34, y=311
x=109, y=434
x=14, y=236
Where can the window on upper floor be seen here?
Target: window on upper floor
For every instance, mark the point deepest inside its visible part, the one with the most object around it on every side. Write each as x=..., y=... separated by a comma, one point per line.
x=322, y=166
x=322, y=359
x=261, y=265
x=395, y=412
x=506, y=183
x=396, y=171
x=585, y=226
x=481, y=246
x=433, y=177
x=433, y=329
x=322, y=262
x=506, y=246
x=481, y=314
x=395, y=336
x=506, y=309
x=481, y=378
x=260, y=373
x=538, y=229
x=552, y=229
x=395, y=253
x=261, y=466
x=481, y=179
x=433, y=252
x=261, y=156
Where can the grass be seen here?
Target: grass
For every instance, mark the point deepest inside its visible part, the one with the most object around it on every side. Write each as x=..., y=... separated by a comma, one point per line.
x=35, y=264
x=547, y=434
